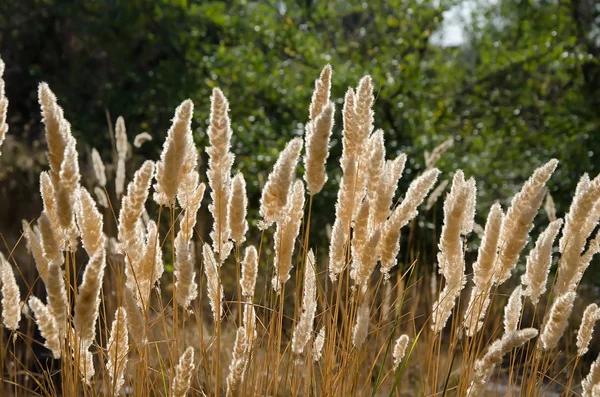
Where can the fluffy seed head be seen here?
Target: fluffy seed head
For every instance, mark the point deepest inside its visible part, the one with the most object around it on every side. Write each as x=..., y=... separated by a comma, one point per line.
x=304, y=327
x=538, y=263
x=58, y=303
x=318, y=134
x=35, y=246
x=3, y=106
x=50, y=246
x=11, y=296
x=512, y=310
x=361, y=327
x=183, y=373
x=58, y=130
x=168, y=169
x=317, y=350
x=407, y=210
x=558, y=320
x=99, y=169
x=238, y=362
x=220, y=161
x=238, y=203
x=275, y=194
x=484, y=367
x=591, y=314
x=399, y=350
x=88, y=300
x=518, y=221
x=90, y=223
x=249, y=272
x=121, y=138
x=288, y=228
x=47, y=325
x=213, y=284
x=141, y=138
x=118, y=344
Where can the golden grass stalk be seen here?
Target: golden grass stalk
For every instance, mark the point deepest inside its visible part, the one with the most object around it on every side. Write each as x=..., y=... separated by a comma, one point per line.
x=213, y=284
x=384, y=194
x=399, y=350
x=361, y=229
x=90, y=222
x=135, y=318
x=518, y=221
x=317, y=136
x=150, y=268
x=47, y=325
x=274, y=198
x=58, y=303
x=122, y=147
x=237, y=209
x=141, y=138
x=187, y=289
x=185, y=283
x=436, y=194
x=538, y=263
x=101, y=198
x=132, y=206
x=550, y=207
x=118, y=345
x=220, y=161
x=321, y=93
x=580, y=221
x=86, y=366
x=49, y=198
x=363, y=265
x=11, y=296
x=175, y=149
x=319, y=342
x=189, y=218
x=375, y=166
x=87, y=301
x=3, y=106
x=183, y=373
x=304, y=328
x=120, y=177
x=99, y=169
x=35, y=246
x=58, y=130
x=483, y=271
x=389, y=245
x=459, y=209
x=121, y=138
x=238, y=363
x=66, y=195
x=436, y=153
x=343, y=217
x=288, y=228
x=484, y=367
x=591, y=314
x=249, y=322
x=361, y=326
x=592, y=380
x=50, y=246
x=558, y=320
x=512, y=310
x=249, y=272
x=363, y=116
x=318, y=133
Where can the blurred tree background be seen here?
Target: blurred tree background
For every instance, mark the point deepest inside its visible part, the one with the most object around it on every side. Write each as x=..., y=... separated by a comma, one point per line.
x=521, y=87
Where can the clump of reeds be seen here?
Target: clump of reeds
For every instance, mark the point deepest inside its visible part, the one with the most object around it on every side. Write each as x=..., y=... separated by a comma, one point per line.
x=377, y=331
